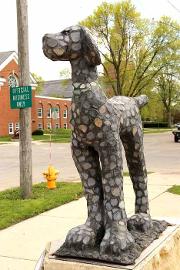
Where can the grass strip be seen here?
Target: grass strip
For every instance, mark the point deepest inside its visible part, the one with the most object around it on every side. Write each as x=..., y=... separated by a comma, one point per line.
x=174, y=189
x=154, y=130
x=14, y=209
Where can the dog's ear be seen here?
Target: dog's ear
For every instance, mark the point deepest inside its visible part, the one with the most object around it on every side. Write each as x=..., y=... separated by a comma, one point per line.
x=90, y=49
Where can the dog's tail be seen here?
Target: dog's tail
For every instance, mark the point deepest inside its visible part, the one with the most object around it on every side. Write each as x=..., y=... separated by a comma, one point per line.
x=141, y=100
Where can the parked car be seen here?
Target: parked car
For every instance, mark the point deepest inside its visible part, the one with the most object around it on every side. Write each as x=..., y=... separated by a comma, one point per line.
x=177, y=125
x=176, y=132
x=16, y=134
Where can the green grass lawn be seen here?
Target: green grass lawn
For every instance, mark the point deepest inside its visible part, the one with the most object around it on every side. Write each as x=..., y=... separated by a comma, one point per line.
x=5, y=139
x=155, y=130
x=58, y=135
x=175, y=190
x=13, y=209
x=54, y=138
x=64, y=138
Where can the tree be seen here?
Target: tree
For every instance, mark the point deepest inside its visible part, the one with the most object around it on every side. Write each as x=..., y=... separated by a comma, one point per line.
x=130, y=46
x=65, y=73
x=167, y=80
x=169, y=90
x=153, y=111
x=40, y=82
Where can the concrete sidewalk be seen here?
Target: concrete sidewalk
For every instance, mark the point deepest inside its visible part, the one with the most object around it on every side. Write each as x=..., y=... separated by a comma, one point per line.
x=22, y=244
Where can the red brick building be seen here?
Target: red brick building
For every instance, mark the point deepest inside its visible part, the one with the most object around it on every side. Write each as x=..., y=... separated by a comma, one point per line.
x=43, y=107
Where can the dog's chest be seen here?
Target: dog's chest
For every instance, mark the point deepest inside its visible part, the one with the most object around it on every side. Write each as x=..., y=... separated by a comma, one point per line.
x=82, y=120
x=91, y=125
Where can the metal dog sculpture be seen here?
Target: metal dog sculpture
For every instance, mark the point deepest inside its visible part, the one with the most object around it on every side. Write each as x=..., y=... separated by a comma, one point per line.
x=99, y=125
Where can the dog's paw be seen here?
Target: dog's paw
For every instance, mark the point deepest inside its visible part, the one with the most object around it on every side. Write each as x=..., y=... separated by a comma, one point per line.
x=116, y=239
x=141, y=222
x=81, y=237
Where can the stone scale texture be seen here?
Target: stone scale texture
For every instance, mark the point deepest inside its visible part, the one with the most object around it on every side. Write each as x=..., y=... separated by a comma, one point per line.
x=100, y=126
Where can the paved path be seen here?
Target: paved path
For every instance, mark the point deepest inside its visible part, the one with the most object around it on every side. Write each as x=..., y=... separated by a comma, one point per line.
x=162, y=155
x=22, y=244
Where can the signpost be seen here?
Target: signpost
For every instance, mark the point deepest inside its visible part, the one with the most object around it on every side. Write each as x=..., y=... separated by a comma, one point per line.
x=25, y=148
x=21, y=97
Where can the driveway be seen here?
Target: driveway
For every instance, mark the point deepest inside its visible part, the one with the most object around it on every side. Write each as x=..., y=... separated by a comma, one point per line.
x=162, y=156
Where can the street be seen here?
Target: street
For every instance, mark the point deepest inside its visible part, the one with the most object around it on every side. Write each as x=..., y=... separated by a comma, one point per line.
x=162, y=156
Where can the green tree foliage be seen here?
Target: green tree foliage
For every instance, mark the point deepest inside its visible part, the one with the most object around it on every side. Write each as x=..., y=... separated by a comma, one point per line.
x=168, y=89
x=154, y=110
x=39, y=81
x=134, y=50
x=167, y=80
x=65, y=73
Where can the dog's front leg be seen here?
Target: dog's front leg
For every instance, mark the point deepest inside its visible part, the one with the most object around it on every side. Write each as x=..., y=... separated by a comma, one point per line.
x=116, y=236
x=89, y=234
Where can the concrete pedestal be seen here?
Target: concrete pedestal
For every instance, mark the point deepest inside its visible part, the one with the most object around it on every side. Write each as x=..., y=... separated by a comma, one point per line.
x=162, y=254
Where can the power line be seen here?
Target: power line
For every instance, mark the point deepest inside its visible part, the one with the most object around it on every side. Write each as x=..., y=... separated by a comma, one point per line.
x=178, y=10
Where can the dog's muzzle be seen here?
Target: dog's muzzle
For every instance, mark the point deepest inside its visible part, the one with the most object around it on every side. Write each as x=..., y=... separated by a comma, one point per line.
x=51, y=48
x=50, y=41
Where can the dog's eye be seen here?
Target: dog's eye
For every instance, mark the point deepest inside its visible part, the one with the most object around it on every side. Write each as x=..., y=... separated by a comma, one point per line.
x=65, y=32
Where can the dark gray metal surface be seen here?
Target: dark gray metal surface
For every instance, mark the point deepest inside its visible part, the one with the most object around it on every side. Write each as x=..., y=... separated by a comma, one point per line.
x=99, y=128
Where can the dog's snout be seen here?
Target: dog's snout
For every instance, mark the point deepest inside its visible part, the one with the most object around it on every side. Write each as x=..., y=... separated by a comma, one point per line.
x=50, y=40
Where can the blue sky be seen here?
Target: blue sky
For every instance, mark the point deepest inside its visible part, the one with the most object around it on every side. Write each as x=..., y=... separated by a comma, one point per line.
x=47, y=16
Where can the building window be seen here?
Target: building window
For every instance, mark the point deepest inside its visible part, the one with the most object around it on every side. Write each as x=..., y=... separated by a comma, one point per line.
x=40, y=112
x=40, y=126
x=55, y=113
x=65, y=125
x=57, y=125
x=12, y=80
x=65, y=114
x=49, y=113
x=48, y=125
x=17, y=126
x=11, y=128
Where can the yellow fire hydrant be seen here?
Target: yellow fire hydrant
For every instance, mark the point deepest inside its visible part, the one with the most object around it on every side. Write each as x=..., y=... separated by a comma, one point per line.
x=51, y=176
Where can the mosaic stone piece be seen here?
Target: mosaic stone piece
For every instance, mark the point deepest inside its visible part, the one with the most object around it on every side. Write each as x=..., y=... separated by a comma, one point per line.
x=100, y=126
x=98, y=122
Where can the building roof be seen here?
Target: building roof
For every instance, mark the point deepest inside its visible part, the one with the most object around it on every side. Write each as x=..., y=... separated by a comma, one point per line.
x=57, y=88
x=4, y=56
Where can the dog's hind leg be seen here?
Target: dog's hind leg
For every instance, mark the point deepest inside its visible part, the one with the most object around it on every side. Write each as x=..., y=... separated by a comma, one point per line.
x=87, y=235
x=133, y=145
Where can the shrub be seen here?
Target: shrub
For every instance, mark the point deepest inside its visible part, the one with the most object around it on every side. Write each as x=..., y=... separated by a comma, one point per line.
x=38, y=132
x=151, y=124
x=59, y=131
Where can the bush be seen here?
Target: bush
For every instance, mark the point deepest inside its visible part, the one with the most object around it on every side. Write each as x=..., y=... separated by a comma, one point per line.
x=59, y=131
x=38, y=132
x=151, y=124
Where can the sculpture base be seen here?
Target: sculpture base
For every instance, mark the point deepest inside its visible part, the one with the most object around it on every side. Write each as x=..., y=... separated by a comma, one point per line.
x=162, y=254
x=127, y=257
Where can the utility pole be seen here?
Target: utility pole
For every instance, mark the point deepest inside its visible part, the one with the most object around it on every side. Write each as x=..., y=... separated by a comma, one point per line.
x=25, y=151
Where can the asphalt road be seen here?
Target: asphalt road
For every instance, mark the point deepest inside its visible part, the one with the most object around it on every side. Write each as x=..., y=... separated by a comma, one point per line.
x=162, y=155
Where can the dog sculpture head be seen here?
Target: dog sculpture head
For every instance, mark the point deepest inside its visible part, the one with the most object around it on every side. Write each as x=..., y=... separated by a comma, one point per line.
x=72, y=43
